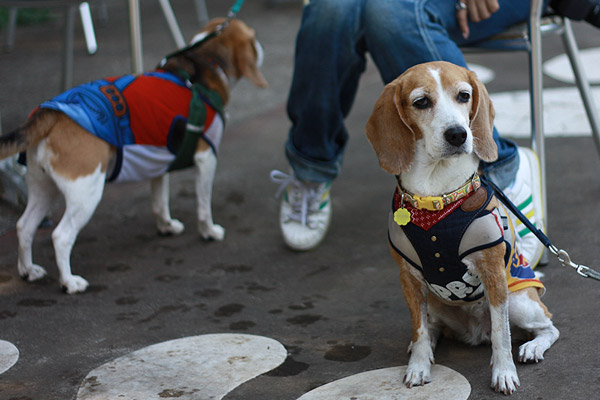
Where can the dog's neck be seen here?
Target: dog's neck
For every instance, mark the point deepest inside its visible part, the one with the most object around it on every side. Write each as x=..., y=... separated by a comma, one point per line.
x=209, y=70
x=427, y=177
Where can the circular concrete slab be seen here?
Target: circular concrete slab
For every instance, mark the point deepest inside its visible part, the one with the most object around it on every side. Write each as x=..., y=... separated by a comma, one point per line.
x=386, y=384
x=198, y=367
x=560, y=69
x=564, y=114
x=484, y=74
x=9, y=355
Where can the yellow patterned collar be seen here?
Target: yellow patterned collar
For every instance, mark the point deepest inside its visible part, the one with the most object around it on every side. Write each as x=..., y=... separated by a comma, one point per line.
x=437, y=203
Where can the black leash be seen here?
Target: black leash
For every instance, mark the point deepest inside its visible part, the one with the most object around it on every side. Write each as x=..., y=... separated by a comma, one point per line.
x=216, y=32
x=561, y=255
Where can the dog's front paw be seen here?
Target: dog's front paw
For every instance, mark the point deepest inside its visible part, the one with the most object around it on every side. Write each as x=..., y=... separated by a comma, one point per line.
x=210, y=231
x=32, y=273
x=170, y=227
x=417, y=375
x=74, y=284
x=530, y=352
x=505, y=380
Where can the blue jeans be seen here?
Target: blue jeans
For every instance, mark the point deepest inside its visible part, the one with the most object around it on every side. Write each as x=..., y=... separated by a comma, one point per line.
x=333, y=39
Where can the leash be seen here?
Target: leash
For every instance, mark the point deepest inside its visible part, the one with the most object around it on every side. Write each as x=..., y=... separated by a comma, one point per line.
x=232, y=13
x=562, y=256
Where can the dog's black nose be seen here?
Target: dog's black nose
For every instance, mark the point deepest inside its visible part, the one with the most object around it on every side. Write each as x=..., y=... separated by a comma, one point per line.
x=455, y=135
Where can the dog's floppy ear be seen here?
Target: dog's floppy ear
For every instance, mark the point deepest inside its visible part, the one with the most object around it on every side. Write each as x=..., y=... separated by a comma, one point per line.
x=482, y=121
x=391, y=138
x=248, y=58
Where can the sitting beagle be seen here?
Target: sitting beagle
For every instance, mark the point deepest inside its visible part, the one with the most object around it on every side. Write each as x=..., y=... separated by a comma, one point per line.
x=131, y=128
x=459, y=266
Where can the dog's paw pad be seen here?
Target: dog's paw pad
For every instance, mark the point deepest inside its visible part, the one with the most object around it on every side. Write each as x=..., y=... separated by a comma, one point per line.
x=172, y=227
x=416, y=377
x=34, y=273
x=74, y=284
x=212, y=232
x=530, y=353
x=505, y=381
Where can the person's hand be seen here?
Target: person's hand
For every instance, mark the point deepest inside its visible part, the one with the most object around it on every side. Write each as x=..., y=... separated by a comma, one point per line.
x=475, y=10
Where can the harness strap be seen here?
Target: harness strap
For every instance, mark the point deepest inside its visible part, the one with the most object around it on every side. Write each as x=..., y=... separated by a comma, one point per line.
x=561, y=255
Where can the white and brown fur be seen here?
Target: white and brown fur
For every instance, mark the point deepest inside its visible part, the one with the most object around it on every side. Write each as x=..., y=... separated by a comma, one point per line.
x=63, y=158
x=431, y=127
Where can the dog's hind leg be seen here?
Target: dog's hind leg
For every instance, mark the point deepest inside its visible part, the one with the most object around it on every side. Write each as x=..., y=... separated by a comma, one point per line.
x=527, y=311
x=41, y=194
x=206, y=165
x=160, y=207
x=82, y=196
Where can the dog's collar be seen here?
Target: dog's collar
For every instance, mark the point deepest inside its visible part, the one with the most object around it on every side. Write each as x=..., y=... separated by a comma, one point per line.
x=437, y=203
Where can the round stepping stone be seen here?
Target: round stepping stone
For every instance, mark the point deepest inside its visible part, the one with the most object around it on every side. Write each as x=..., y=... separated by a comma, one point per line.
x=560, y=69
x=484, y=74
x=9, y=355
x=198, y=367
x=386, y=384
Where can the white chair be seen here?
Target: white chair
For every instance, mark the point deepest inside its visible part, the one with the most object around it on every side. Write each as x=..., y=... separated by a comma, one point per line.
x=528, y=37
x=70, y=7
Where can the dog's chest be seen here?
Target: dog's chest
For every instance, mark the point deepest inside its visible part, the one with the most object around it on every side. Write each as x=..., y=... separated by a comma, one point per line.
x=435, y=242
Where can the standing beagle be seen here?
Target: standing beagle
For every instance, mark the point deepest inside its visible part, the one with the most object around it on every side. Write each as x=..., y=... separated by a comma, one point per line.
x=130, y=128
x=459, y=267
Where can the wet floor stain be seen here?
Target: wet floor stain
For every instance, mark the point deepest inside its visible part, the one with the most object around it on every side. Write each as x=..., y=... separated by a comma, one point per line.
x=36, y=302
x=307, y=305
x=229, y=310
x=304, y=319
x=232, y=268
x=165, y=310
x=290, y=367
x=347, y=353
x=207, y=293
x=7, y=314
x=167, y=278
x=118, y=268
x=241, y=325
x=126, y=301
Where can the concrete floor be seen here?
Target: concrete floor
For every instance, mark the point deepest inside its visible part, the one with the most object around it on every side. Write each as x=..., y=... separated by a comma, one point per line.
x=338, y=310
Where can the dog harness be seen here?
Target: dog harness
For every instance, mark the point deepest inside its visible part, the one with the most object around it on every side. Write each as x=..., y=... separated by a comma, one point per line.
x=436, y=242
x=144, y=117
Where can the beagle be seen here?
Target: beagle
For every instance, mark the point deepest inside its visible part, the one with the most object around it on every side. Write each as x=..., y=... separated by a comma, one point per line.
x=459, y=268
x=130, y=128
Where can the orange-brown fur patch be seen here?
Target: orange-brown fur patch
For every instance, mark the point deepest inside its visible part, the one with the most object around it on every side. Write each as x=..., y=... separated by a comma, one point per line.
x=413, y=292
x=535, y=296
x=76, y=152
x=492, y=272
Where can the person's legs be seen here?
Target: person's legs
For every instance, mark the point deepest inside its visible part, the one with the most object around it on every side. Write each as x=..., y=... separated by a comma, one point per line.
x=328, y=63
x=330, y=57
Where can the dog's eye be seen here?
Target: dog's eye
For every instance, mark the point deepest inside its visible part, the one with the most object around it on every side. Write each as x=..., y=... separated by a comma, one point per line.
x=422, y=103
x=463, y=97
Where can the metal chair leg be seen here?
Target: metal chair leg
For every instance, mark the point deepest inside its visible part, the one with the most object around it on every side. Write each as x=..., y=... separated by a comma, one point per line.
x=201, y=12
x=582, y=81
x=172, y=22
x=11, y=28
x=67, y=75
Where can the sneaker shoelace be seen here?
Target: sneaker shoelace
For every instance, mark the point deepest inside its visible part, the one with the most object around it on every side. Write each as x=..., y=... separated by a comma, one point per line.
x=302, y=198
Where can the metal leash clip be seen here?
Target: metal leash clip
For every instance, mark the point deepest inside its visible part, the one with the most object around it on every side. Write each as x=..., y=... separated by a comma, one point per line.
x=565, y=260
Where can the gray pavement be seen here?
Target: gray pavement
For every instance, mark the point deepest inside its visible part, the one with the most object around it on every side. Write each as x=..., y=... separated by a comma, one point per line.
x=338, y=310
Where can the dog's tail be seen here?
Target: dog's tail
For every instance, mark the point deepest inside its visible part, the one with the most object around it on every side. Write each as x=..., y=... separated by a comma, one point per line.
x=32, y=131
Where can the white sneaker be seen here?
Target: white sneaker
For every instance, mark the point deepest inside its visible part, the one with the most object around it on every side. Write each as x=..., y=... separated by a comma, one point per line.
x=526, y=194
x=305, y=211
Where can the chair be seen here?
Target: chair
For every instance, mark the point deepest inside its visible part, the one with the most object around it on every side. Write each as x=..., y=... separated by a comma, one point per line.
x=528, y=37
x=70, y=9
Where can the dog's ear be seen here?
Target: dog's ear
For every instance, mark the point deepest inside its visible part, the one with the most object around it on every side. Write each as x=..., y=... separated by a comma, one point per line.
x=391, y=138
x=482, y=121
x=248, y=57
